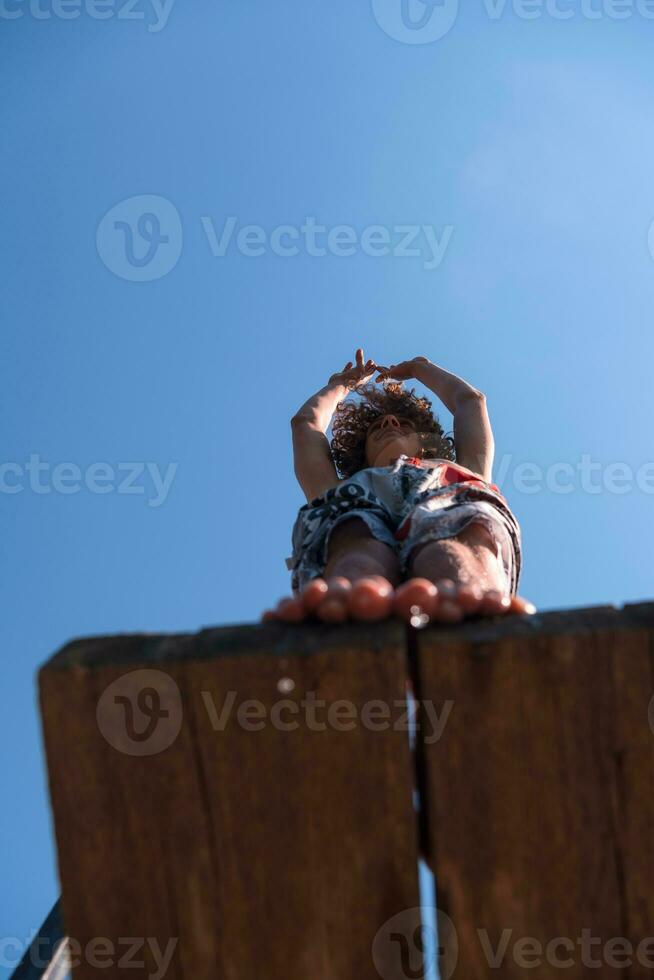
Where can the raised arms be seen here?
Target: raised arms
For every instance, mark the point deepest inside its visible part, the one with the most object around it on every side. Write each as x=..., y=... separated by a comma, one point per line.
x=473, y=435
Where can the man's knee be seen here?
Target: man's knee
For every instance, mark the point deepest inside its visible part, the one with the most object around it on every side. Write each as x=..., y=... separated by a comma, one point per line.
x=346, y=535
x=354, y=543
x=478, y=533
x=455, y=549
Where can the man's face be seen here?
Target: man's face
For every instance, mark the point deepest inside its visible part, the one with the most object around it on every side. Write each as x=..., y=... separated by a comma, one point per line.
x=389, y=437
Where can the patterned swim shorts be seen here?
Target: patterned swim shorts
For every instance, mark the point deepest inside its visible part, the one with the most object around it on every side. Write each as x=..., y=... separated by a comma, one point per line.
x=405, y=504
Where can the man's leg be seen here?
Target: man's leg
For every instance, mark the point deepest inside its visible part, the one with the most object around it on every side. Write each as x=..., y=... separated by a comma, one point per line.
x=469, y=573
x=358, y=580
x=354, y=553
x=362, y=572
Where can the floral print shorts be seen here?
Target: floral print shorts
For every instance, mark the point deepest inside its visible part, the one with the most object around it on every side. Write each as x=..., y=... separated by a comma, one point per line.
x=404, y=505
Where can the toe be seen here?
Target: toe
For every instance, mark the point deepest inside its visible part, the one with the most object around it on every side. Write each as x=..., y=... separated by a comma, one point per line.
x=447, y=589
x=371, y=599
x=290, y=610
x=313, y=593
x=494, y=603
x=414, y=600
x=447, y=608
x=469, y=599
x=333, y=608
x=522, y=606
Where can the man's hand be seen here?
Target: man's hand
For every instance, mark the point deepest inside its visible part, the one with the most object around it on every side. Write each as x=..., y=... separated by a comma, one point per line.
x=353, y=376
x=402, y=371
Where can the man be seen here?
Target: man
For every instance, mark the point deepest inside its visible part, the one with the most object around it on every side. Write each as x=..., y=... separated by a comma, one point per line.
x=400, y=518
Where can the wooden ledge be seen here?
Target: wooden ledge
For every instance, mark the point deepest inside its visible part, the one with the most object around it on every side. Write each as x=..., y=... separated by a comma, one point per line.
x=307, y=638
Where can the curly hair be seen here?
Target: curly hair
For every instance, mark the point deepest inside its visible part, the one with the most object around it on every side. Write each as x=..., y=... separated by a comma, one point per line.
x=353, y=419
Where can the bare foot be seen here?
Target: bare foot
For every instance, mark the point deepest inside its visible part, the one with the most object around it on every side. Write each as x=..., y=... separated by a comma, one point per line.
x=325, y=599
x=418, y=601
x=336, y=600
x=296, y=608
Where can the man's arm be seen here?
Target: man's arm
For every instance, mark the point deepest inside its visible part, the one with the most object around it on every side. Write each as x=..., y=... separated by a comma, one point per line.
x=314, y=466
x=473, y=435
x=312, y=458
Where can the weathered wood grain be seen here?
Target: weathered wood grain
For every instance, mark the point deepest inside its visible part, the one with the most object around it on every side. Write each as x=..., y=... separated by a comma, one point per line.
x=291, y=851
x=540, y=795
x=275, y=853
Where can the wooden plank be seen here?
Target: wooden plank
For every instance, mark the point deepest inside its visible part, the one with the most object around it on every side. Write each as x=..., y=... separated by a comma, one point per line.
x=540, y=795
x=633, y=676
x=275, y=852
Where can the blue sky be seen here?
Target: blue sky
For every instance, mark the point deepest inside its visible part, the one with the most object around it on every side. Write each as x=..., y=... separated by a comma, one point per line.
x=529, y=139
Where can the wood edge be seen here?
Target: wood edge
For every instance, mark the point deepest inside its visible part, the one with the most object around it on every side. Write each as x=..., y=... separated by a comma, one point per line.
x=304, y=639
x=246, y=639
x=571, y=622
